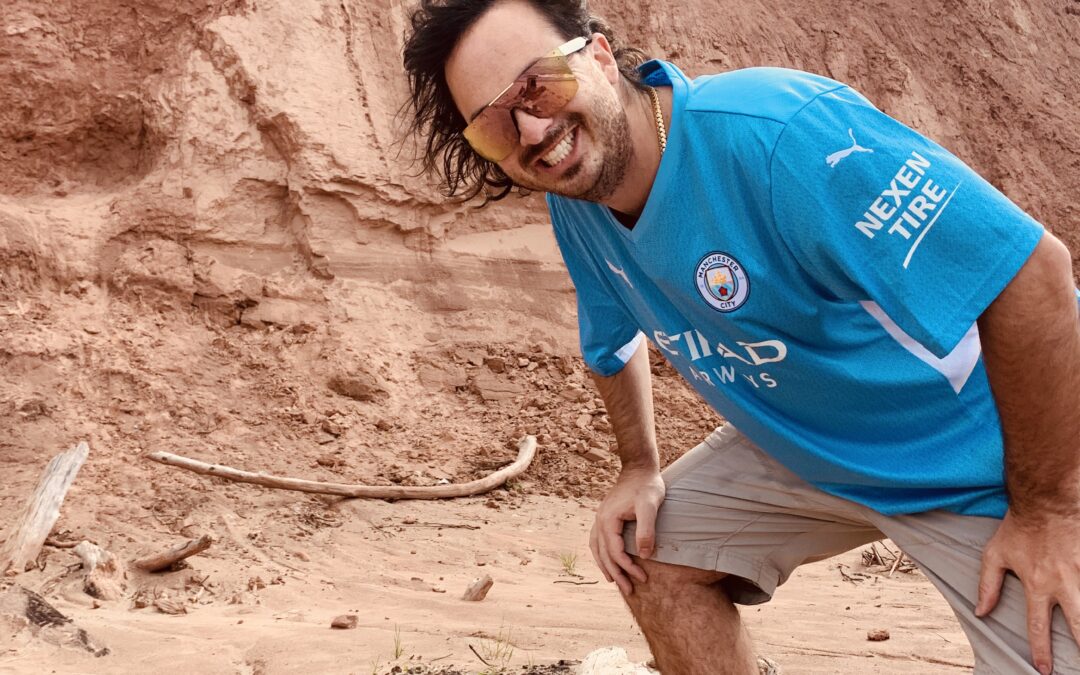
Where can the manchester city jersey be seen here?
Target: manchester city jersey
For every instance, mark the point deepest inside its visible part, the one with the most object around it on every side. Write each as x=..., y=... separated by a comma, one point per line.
x=815, y=269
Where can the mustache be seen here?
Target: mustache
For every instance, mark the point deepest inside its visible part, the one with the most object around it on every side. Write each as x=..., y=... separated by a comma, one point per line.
x=534, y=152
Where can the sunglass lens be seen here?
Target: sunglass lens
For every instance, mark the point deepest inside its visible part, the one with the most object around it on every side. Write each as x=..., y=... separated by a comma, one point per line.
x=492, y=134
x=542, y=90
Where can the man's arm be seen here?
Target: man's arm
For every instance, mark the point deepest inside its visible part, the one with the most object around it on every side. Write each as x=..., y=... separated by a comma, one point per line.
x=638, y=492
x=1031, y=347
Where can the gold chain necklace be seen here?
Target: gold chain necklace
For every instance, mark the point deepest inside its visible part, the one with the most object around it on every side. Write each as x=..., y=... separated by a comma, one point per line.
x=661, y=128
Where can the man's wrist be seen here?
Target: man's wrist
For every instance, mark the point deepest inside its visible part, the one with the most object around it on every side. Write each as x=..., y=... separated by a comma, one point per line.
x=641, y=462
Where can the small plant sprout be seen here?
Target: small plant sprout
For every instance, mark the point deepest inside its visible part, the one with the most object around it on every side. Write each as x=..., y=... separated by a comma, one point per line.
x=569, y=564
x=495, y=652
x=399, y=648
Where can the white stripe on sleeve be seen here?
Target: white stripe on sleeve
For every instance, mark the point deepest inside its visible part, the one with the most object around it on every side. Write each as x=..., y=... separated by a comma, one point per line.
x=957, y=365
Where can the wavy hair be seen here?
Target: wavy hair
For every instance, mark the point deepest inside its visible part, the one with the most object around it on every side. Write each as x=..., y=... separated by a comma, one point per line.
x=436, y=27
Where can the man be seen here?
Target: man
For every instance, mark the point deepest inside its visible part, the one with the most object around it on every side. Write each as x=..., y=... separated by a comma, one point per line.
x=898, y=342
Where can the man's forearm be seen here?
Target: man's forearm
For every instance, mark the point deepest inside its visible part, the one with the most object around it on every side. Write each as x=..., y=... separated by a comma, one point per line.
x=627, y=396
x=1031, y=347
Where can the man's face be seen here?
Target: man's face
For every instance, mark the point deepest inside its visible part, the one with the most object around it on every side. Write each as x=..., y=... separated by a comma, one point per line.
x=491, y=54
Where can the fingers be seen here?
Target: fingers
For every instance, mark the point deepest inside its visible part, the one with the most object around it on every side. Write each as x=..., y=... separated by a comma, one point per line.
x=608, y=550
x=598, y=545
x=991, y=576
x=594, y=547
x=612, y=541
x=1071, y=608
x=646, y=528
x=1039, y=608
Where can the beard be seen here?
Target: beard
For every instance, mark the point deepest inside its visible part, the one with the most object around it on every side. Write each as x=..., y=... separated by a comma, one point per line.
x=609, y=131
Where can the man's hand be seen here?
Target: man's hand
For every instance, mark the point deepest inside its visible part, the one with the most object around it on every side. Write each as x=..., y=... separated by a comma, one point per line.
x=636, y=496
x=1044, y=552
x=1031, y=347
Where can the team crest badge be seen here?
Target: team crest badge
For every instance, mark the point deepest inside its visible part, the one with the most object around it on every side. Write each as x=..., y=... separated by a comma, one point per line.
x=722, y=282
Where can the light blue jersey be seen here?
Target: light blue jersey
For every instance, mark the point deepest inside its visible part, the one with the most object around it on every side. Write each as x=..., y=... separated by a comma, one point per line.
x=815, y=269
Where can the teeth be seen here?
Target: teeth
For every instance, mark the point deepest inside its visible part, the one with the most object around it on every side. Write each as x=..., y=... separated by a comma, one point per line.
x=560, y=151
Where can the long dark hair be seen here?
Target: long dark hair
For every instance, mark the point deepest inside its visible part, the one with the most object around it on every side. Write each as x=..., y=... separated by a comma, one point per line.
x=437, y=25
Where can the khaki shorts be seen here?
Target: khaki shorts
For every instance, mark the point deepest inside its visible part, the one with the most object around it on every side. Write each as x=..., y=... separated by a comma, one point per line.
x=732, y=509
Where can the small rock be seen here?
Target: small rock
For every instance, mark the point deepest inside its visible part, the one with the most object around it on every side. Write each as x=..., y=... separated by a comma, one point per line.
x=478, y=589
x=877, y=635
x=446, y=376
x=492, y=388
x=474, y=358
x=595, y=455
x=522, y=362
x=344, y=622
x=333, y=428
x=565, y=365
x=573, y=393
x=383, y=425
x=584, y=421
x=496, y=364
x=358, y=386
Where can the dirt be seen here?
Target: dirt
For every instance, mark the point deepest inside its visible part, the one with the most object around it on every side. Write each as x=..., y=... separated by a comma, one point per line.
x=219, y=250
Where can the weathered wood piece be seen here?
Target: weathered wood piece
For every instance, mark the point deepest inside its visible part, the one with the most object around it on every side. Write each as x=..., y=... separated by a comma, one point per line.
x=526, y=452
x=32, y=526
x=478, y=589
x=170, y=606
x=104, y=574
x=45, y=622
x=164, y=561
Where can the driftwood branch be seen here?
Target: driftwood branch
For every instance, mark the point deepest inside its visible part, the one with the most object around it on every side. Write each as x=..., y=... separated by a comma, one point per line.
x=30, y=529
x=161, y=561
x=526, y=452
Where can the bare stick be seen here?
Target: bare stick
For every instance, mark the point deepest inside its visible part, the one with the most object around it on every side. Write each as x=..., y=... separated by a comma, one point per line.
x=30, y=529
x=526, y=452
x=480, y=657
x=896, y=563
x=161, y=561
x=55, y=543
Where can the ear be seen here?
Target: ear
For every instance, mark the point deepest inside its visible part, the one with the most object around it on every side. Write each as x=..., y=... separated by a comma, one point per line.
x=604, y=56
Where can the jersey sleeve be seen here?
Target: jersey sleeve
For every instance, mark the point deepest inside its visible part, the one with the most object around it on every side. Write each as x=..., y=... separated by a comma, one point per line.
x=608, y=335
x=875, y=212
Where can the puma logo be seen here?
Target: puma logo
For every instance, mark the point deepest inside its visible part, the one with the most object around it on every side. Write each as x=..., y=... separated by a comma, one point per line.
x=618, y=271
x=837, y=157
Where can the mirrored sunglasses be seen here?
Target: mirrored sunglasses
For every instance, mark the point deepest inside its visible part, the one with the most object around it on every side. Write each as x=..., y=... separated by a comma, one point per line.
x=542, y=90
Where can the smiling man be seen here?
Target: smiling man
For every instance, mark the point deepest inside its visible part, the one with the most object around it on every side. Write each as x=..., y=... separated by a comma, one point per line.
x=897, y=343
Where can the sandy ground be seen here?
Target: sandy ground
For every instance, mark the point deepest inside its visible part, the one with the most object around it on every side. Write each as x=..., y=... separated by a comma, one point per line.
x=401, y=569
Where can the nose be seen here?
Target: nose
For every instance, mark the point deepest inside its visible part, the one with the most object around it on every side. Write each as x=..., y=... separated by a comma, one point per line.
x=531, y=129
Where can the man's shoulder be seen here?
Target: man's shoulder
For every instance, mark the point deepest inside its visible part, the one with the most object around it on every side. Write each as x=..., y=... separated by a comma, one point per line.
x=776, y=94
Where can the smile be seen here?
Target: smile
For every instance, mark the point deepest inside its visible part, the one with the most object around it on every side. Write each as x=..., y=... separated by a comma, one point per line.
x=561, y=150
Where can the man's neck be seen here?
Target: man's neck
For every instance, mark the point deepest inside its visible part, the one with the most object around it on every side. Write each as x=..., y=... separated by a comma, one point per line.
x=630, y=196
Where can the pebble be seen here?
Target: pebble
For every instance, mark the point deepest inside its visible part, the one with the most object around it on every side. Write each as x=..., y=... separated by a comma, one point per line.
x=877, y=635
x=344, y=622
